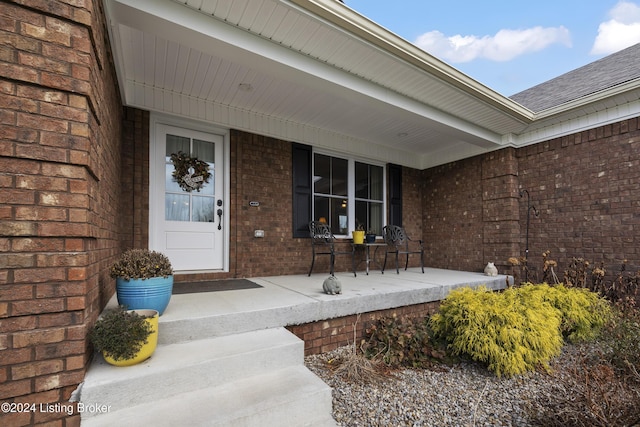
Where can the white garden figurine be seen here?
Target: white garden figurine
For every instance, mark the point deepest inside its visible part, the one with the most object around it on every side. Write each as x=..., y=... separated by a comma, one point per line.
x=332, y=285
x=490, y=269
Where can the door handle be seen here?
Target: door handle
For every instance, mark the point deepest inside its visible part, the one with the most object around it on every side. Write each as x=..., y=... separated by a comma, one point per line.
x=219, y=212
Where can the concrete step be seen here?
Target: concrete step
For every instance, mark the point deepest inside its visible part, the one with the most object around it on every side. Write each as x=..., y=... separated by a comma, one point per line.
x=180, y=327
x=290, y=397
x=186, y=367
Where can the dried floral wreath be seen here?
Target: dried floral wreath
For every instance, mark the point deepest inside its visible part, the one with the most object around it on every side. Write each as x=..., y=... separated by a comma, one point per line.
x=189, y=172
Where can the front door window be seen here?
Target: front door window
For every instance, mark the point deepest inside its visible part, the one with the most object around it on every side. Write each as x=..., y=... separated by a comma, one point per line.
x=197, y=202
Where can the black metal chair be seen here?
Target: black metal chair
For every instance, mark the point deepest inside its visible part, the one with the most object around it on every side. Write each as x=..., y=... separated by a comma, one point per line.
x=399, y=243
x=323, y=242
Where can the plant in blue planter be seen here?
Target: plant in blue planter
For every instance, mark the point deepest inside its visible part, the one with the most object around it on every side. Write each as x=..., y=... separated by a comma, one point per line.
x=144, y=280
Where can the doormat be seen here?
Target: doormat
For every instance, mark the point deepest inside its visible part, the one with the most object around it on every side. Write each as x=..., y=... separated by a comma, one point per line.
x=213, y=286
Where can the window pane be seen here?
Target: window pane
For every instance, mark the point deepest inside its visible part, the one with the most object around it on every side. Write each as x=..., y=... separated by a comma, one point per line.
x=170, y=184
x=361, y=214
x=333, y=211
x=204, y=150
x=321, y=209
x=176, y=207
x=368, y=181
x=340, y=219
x=322, y=174
x=339, y=180
x=375, y=218
x=208, y=188
x=203, y=209
x=175, y=144
x=375, y=183
x=362, y=181
x=369, y=214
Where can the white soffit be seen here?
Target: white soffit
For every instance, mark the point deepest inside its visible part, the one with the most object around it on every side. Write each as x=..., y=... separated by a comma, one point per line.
x=309, y=80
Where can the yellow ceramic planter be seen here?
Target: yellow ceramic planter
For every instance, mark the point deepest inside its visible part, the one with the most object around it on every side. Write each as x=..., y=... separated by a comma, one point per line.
x=358, y=237
x=147, y=349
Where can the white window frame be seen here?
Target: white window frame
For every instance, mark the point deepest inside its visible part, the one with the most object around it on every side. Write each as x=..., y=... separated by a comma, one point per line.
x=351, y=186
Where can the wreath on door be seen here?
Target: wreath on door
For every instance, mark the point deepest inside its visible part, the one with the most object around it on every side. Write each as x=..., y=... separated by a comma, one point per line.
x=189, y=172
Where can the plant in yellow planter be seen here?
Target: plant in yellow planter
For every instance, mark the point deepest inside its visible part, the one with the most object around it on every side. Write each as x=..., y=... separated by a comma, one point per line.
x=126, y=337
x=358, y=235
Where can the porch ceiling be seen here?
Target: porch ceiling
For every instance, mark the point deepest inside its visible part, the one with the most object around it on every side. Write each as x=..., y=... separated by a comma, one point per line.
x=308, y=71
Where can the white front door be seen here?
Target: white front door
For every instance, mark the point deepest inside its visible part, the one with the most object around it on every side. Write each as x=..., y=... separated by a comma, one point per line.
x=187, y=214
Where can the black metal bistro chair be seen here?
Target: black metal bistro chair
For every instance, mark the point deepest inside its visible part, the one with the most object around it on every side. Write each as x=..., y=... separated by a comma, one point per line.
x=399, y=243
x=323, y=242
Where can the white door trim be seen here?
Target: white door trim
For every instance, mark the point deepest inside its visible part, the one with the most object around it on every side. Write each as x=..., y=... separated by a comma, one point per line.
x=156, y=179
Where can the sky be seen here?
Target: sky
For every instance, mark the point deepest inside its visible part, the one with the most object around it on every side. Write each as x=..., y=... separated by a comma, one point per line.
x=510, y=45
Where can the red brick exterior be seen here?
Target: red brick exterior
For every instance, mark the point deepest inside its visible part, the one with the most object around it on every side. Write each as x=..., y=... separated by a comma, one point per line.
x=327, y=335
x=74, y=187
x=60, y=153
x=261, y=170
x=470, y=212
x=586, y=187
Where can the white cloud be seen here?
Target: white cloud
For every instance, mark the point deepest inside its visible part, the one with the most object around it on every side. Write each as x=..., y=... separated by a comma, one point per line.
x=504, y=46
x=622, y=30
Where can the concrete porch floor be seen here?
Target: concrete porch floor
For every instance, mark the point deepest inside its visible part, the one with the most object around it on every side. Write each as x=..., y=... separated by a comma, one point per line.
x=224, y=358
x=299, y=299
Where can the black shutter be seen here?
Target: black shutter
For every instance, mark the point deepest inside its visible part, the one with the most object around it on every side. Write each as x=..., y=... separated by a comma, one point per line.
x=395, y=194
x=302, y=191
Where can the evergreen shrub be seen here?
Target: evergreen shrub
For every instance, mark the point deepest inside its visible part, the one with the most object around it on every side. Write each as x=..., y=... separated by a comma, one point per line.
x=519, y=329
x=583, y=313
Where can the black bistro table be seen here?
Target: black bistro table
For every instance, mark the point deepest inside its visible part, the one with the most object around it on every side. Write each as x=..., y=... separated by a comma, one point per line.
x=367, y=252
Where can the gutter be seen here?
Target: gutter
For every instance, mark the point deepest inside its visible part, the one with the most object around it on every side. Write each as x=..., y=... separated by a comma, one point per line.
x=345, y=18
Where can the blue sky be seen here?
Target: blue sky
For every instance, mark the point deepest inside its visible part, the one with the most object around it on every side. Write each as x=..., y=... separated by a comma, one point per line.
x=510, y=45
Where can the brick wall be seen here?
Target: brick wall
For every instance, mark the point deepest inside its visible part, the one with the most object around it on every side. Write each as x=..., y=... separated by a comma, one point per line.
x=59, y=195
x=452, y=215
x=261, y=171
x=586, y=187
x=327, y=335
x=500, y=215
x=134, y=214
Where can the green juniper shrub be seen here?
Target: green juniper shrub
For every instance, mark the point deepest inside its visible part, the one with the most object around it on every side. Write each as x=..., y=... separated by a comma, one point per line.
x=510, y=334
x=519, y=329
x=583, y=313
x=402, y=342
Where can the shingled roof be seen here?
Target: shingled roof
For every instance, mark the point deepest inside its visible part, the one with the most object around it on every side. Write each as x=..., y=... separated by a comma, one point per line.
x=612, y=70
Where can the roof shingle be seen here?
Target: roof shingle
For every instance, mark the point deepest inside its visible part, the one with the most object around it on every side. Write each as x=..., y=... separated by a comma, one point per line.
x=612, y=70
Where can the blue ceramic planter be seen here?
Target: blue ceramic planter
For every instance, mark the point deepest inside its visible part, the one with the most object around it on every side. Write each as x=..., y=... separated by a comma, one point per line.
x=137, y=294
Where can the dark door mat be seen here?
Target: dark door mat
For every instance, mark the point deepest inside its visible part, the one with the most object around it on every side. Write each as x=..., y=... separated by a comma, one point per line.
x=213, y=286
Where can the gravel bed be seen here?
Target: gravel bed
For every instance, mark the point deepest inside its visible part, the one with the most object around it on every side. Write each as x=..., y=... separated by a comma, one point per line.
x=466, y=394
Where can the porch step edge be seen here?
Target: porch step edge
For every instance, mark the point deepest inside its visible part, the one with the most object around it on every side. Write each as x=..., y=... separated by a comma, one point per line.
x=185, y=367
x=293, y=395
